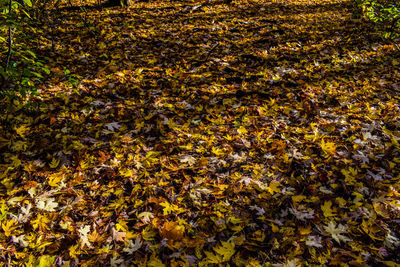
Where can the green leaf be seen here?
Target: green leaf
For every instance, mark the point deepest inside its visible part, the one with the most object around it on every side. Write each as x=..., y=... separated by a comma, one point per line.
x=46, y=70
x=28, y=3
x=31, y=53
x=37, y=74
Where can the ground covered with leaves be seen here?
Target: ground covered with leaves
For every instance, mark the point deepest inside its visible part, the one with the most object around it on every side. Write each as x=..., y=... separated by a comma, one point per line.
x=187, y=133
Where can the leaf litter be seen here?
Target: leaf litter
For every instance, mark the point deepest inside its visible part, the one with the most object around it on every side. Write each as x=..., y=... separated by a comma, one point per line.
x=249, y=133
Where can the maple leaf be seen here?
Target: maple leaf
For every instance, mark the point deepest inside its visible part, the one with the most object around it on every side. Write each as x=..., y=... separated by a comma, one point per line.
x=314, y=241
x=172, y=231
x=55, y=178
x=118, y=236
x=217, y=151
x=337, y=232
x=361, y=157
x=94, y=236
x=114, y=261
x=226, y=250
x=83, y=234
x=25, y=213
x=97, y=103
x=292, y=263
x=41, y=223
x=327, y=209
x=189, y=160
x=13, y=201
x=112, y=126
x=47, y=204
x=273, y=187
x=238, y=158
x=246, y=180
x=54, y=163
x=9, y=226
x=3, y=211
x=21, y=130
x=155, y=262
x=302, y=214
x=328, y=147
x=376, y=177
x=170, y=208
x=242, y=130
x=213, y=258
x=146, y=216
x=46, y=260
x=132, y=246
x=260, y=211
x=20, y=240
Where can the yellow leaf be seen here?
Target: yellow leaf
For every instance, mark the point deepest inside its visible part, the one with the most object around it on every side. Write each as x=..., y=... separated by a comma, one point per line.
x=305, y=231
x=148, y=234
x=170, y=208
x=43, y=245
x=155, y=262
x=298, y=198
x=54, y=163
x=128, y=173
x=172, y=231
x=4, y=142
x=122, y=225
x=350, y=175
x=228, y=137
x=41, y=223
x=239, y=239
x=32, y=262
x=77, y=145
x=73, y=251
x=235, y=220
x=390, y=264
x=226, y=250
x=46, y=261
x=94, y=236
x=274, y=228
x=381, y=210
x=9, y=227
x=242, y=130
x=273, y=187
x=217, y=151
x=326, y=209
x=341, y=201
x=21, y=130
x=212, y=258
x=328, y=147
x=55, y=179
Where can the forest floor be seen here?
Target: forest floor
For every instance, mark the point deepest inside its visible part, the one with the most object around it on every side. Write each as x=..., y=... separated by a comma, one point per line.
x=177, y=133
